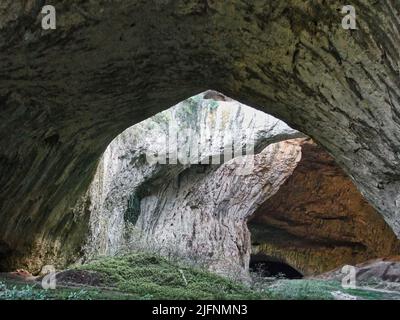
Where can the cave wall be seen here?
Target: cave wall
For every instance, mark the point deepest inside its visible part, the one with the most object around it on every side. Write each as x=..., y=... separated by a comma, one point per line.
x=201, y=217
x=318, y=220
x=65, y=94
x=194, y=211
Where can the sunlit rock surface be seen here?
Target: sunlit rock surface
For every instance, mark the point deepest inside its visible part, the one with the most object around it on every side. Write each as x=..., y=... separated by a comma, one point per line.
x=201, y=215
x=303, y=209
x=198, y=211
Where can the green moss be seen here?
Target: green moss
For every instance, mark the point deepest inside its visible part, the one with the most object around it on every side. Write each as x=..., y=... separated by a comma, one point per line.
x=144, y=276
x=213, y=105
x=187, y=111
x=151, y=277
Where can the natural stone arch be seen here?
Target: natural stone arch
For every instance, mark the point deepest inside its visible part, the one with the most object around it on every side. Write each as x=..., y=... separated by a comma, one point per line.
x=66, y=94
x=183, y=183
x=293, y=203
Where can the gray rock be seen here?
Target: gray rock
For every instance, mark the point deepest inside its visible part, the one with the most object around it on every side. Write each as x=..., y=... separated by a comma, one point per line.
x=376, y=270
x=197, y=211
x=66, y=93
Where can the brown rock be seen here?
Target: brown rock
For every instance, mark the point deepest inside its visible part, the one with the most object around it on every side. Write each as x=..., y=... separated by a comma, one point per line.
x=318, y=220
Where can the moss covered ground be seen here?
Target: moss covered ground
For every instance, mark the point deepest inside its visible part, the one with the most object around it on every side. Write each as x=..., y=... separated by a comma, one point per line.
x=152, y=277
x=144, y=277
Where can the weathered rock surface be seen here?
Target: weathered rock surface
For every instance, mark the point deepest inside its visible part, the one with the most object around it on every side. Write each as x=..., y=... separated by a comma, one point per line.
x=203, y=216
x=65, y=94
x=306, y=212
x=194, y=211
x=318, y=220
x=387, y=269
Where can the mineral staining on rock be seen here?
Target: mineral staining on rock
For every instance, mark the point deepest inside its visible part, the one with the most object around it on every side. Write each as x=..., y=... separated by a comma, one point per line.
x=318, y=220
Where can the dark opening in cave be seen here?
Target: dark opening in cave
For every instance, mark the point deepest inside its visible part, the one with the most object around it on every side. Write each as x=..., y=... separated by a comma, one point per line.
x=266, y=266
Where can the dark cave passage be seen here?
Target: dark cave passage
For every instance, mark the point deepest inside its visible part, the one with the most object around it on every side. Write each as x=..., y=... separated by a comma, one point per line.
x=266, y=266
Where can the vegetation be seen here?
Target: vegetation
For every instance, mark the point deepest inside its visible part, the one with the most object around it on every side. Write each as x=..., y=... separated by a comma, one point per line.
x=15, y=290
x=135, y=276
x=147, y=276
x=310, y=289
x=151, y=277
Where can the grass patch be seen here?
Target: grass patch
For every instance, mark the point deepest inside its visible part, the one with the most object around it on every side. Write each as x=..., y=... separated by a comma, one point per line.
x=151, y=277
x=12, y=290
x=146, y=276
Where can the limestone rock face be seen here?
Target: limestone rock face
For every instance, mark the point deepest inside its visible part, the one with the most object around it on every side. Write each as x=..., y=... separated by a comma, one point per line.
x=318, y=220
x=198, y=211
x=67, y=93
x=302, y=208
x=202, y=216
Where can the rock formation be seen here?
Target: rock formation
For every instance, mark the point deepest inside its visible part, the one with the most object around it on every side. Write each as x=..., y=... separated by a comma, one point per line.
x=67, y=93
x=202, y=217
x=318, y=220
x=377, y=271
x=306, y=213
x=195, y=211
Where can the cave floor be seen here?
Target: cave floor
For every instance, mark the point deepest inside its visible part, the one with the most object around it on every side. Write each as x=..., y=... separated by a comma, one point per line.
x=146, y=277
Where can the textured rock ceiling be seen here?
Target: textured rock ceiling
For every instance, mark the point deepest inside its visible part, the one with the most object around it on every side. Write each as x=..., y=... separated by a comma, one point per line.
x=65, y=94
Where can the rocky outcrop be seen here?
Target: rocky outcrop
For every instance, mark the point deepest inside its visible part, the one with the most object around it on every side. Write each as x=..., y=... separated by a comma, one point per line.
x=306, y=213
x=67, y=93
x=373, y=271
x=318, y=220
x=202, y=216
x=196, y=209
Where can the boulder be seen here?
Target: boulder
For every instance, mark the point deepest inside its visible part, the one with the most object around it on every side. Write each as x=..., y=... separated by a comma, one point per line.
x=373, y=271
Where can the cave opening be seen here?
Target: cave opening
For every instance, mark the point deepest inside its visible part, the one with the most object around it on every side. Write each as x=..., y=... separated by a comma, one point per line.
x=268, y=267
x=317, y=219
x=293, y=59
x=145, y=196
x=167, y=186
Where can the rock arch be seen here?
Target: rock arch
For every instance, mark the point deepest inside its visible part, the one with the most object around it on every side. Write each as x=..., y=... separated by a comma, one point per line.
x=65, y=94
